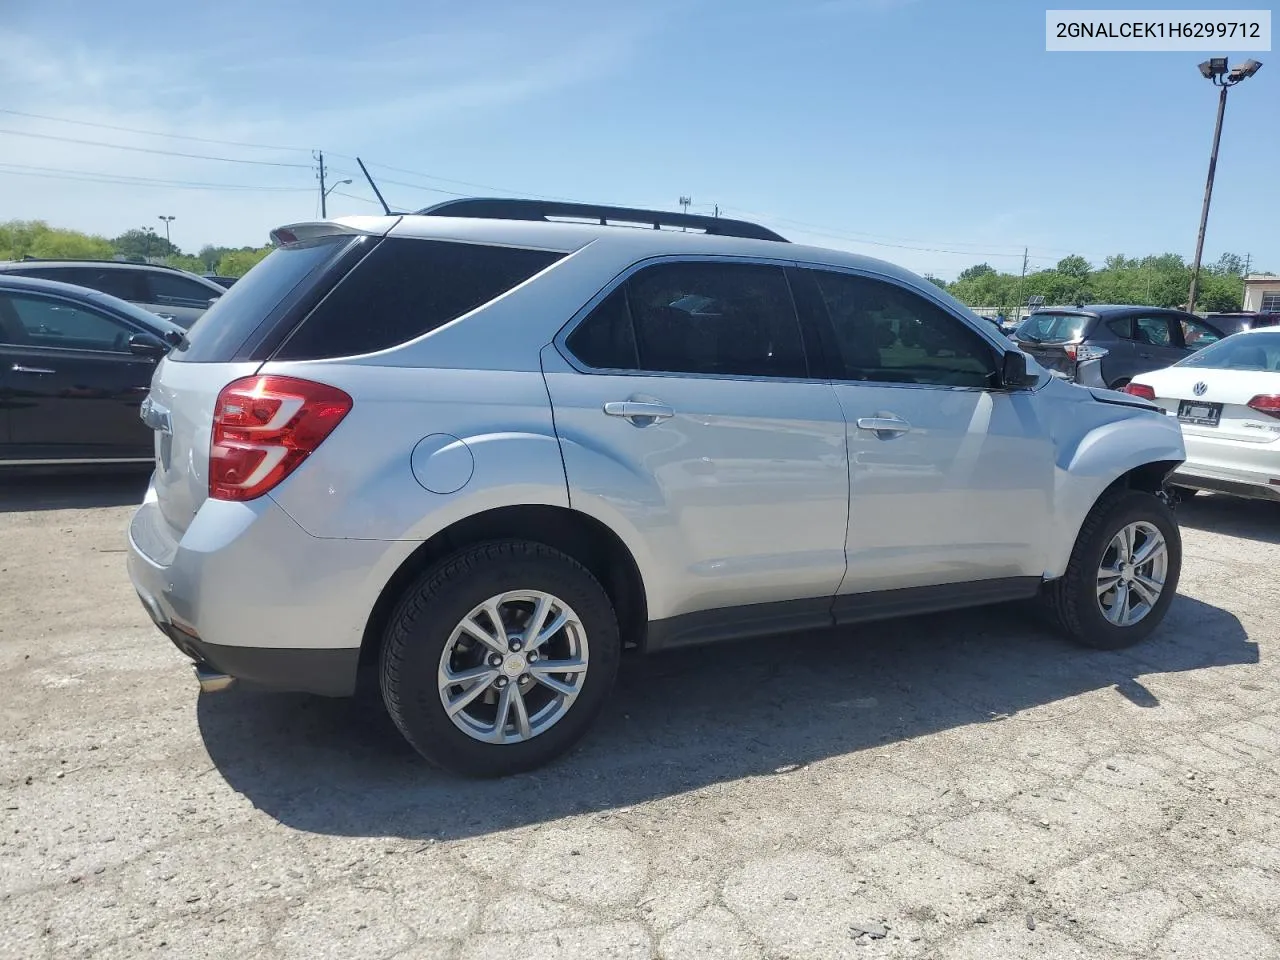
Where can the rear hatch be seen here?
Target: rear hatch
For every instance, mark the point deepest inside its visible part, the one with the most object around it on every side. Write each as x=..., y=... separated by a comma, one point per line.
x=230, y=341
x=1215, y=402
x=1053, y=338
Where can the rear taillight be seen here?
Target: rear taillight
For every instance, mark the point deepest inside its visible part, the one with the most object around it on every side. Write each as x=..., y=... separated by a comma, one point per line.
x=1268, y=403
x=263, y=427
x=1080, y=352
x=1140, y=390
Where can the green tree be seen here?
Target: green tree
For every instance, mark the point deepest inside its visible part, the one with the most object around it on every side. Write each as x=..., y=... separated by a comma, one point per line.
x=236, y=263
x=1074, y=266
x=143, y=244
x=976, y=271
x=35, y=238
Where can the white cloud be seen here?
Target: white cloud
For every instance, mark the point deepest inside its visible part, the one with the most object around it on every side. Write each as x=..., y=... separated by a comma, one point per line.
x=382, y=94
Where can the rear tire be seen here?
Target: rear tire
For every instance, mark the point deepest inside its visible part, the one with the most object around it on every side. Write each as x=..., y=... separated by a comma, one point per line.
x=1119, y=384
x=1090, y=603
x=434, y=636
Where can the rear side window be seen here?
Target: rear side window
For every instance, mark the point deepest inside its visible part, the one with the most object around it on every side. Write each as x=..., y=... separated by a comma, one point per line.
x=1122, y=327
x=227, y=325
x=606, y=339
x=406, y=288
x=174, y=288
x=123, y=283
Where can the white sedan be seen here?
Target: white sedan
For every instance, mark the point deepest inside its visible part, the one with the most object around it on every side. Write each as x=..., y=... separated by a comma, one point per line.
x=1227, y=399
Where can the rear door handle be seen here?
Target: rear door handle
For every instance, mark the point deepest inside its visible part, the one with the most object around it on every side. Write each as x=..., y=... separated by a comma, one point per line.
x=884, y=427
x=19, y=368
x=638, y=412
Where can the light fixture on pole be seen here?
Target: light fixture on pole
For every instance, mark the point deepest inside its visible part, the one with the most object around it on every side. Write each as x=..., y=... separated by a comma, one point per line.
x=168, y=245
x=324, y=197
x=1215, y=70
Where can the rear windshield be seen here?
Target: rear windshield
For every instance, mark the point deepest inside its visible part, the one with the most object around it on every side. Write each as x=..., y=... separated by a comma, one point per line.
x=1053, y=327
x=406, y=288
x=1252, y=351
x=228, y=324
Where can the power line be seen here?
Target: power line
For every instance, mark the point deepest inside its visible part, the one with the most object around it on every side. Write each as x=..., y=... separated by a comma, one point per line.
x=163, y=153
x=89, y=176
x=151, y=133
x=461, y=183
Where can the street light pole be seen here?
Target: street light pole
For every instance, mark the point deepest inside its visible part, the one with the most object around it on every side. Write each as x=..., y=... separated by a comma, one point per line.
x=168, y=244
x=1215, y=70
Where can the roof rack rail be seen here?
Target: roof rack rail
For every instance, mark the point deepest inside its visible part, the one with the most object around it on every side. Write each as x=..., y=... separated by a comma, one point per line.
x=501, y=208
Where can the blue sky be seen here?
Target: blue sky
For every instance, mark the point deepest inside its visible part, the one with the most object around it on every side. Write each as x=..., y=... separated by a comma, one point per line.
x=934, y=133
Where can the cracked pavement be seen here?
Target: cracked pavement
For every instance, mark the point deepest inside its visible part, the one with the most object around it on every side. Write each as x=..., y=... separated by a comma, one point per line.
x=964, y=786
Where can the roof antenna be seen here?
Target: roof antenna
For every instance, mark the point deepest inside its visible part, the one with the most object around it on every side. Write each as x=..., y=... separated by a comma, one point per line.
x=376, y=191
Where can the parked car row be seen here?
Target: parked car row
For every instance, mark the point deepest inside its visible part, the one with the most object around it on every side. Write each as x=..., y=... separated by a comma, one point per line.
x=171, y=293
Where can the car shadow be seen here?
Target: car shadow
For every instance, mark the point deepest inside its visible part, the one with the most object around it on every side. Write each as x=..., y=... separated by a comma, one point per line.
x=64, y=490
x=683, y=720
x=1232, y=516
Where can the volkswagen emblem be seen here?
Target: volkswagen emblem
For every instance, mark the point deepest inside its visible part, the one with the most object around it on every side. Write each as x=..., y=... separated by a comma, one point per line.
x=1200, y=388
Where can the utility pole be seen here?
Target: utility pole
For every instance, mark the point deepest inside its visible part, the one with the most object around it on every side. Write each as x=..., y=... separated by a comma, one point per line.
x=1021, y=280
x=324, y=196
x=1248, y=262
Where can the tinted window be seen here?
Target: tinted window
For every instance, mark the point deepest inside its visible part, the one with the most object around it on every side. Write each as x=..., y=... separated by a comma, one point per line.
x=888, y=334
x=1254, y=351
x=42, y=322
x=223, y=328
x=404, y=289
x=732, y=319
x=175, y=288
x=1044, y=327
x=1197, y=335
x=1156, y=331
x=605, y=340
x=1122, y=327
x=123, y=283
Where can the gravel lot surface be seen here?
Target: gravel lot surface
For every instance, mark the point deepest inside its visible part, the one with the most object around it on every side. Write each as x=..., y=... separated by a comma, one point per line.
x=951, y=786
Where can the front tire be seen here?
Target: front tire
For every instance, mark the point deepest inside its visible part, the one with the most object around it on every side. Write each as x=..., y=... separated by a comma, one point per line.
x=499, y=658
x=1123, y=572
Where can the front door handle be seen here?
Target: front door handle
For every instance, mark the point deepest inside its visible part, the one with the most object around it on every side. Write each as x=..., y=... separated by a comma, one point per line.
x=638, y=412
x=19, y=368
x=884, y=427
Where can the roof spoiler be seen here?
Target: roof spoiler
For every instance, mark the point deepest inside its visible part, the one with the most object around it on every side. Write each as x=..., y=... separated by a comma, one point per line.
x=314, y=230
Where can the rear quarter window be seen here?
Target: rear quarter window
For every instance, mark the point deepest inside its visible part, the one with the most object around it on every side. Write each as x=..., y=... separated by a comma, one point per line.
x=406, y=288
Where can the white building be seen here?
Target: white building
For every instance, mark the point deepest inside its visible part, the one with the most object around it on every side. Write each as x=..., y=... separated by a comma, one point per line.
x=1261, y=293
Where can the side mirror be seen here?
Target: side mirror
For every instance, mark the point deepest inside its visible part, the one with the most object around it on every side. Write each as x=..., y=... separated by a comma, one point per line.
x=1013, y=371
x=145, y=345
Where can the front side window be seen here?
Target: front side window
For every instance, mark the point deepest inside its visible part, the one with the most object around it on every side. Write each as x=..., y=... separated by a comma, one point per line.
x=43, y=322
x=888, y=334
x=1197, y=335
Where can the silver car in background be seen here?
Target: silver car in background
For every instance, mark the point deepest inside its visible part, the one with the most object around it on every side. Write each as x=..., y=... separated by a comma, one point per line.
x=481, y=450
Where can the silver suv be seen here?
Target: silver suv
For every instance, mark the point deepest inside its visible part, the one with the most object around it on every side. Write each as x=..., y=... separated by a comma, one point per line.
x=481, y=450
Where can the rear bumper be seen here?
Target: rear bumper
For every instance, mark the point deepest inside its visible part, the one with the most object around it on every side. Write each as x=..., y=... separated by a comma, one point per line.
x=1222, y=465
x=1253, y=488
x=245, y=590
x=330, y=673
